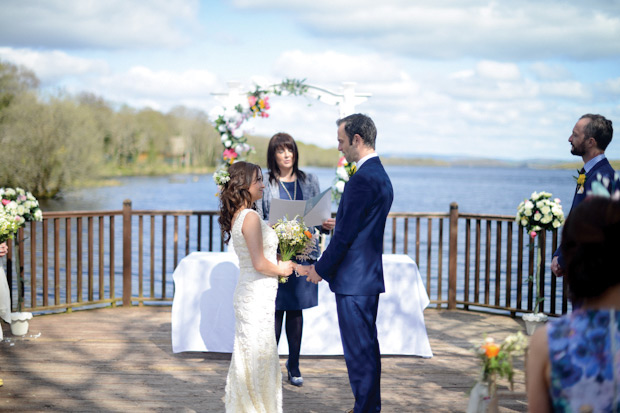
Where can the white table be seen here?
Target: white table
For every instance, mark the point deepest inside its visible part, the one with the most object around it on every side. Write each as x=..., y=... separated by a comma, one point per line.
x=203, y=317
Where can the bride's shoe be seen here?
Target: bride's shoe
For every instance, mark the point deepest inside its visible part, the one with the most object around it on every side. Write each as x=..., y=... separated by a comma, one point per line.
x=295, y=381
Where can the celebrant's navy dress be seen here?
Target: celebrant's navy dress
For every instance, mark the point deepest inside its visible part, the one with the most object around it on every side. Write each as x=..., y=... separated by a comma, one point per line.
x=296, y=293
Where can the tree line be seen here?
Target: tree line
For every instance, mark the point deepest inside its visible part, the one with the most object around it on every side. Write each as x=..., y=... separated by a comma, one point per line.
x=53, y=143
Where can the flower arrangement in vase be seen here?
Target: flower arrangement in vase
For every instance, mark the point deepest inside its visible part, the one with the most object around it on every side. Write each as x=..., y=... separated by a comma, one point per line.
x=17, y=207
x=538, y=214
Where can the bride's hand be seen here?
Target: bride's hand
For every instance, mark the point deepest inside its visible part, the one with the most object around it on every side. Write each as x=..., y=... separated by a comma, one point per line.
x=286, y=268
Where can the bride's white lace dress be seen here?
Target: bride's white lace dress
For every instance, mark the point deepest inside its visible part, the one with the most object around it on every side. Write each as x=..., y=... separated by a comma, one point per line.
x=254, y=382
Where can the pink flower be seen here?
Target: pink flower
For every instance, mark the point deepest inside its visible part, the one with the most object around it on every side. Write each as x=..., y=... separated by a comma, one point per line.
x=5, y=202
x=264, y=114
x=533, y=234
x=342, y=161
x=230, y=154
x=252, y=100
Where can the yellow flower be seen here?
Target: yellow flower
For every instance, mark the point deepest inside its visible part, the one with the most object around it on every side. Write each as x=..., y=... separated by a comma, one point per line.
x=581, y=179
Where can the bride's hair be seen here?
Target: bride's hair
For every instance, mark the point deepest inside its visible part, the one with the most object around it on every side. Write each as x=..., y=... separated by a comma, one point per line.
x=235, y=194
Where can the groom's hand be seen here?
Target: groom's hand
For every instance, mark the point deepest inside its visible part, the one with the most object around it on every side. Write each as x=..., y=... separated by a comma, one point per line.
x=313, y=276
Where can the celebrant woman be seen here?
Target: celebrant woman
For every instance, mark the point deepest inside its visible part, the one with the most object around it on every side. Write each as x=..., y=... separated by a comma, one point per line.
x=254, y=381
x=286, y=181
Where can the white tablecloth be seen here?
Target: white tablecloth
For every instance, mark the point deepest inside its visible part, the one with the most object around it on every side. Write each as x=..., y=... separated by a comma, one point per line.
x=203, y=317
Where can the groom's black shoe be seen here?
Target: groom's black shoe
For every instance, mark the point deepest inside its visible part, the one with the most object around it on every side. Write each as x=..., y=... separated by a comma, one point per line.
x=295, y=381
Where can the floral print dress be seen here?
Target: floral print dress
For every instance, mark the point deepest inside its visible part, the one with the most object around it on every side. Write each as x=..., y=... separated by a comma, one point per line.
x=584, y=350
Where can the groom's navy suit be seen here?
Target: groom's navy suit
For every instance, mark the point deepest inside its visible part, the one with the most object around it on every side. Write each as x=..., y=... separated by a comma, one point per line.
x=352, y=265
x=602, y=167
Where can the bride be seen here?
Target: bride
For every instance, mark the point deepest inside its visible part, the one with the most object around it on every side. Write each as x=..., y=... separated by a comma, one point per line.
x=254, y=382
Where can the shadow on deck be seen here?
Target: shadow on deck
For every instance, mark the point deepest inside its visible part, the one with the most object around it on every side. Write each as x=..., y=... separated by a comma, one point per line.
x=120, y=359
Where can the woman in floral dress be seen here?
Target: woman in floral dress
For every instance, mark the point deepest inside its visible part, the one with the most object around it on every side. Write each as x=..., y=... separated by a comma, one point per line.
x=573, y=363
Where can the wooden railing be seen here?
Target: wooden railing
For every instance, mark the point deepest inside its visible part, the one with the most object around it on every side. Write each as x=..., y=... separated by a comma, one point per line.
x=79, y=259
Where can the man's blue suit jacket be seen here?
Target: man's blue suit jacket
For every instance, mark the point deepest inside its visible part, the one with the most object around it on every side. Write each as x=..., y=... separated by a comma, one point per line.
x=601, y=167
x=352, y=262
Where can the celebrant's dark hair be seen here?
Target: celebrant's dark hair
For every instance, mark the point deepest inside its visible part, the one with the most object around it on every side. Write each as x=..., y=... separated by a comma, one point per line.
x=362, y=125
x=286, y=141
x=235, y=193
x=590, y=245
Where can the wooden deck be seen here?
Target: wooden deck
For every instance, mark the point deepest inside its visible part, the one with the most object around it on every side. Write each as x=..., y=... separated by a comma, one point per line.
x=120, y=359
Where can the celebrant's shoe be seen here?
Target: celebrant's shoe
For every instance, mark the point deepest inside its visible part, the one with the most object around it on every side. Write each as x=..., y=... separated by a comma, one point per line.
x=295, y=381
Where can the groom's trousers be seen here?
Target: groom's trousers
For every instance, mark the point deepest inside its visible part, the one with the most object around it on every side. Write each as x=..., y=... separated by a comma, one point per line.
x=357, y=316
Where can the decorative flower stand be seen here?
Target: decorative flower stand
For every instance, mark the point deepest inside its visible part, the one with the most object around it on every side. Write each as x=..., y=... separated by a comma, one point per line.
x=19, y=323
x=533, y=321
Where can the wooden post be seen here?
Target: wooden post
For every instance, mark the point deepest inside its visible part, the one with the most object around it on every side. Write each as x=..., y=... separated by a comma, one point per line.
x=452, y=247
x=127, y=253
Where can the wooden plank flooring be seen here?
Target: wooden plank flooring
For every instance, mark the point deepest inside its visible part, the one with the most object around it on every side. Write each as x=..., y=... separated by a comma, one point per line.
x=120, y=360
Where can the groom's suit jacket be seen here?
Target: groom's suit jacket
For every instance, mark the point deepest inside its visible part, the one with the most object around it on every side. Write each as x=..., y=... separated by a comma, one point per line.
x=352, y=263
x=602, y=167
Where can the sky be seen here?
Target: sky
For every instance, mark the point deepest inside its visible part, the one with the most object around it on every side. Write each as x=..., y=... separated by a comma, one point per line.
x=474, y=78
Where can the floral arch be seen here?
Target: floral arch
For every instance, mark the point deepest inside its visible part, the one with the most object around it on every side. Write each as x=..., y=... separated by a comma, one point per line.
x=230, y=118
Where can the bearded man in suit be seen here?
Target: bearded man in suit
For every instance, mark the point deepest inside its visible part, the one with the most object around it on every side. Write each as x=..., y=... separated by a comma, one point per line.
x=352, y=262
x=591, y=136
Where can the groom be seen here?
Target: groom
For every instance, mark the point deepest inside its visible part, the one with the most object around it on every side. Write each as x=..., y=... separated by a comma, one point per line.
x=352, y=263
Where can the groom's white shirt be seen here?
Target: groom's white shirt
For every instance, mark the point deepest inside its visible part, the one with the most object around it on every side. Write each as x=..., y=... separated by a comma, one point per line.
x=359, y=163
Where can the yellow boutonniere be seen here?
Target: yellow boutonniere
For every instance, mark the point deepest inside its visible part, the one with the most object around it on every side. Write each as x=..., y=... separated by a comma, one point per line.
x=580, y=179
x=352, y=170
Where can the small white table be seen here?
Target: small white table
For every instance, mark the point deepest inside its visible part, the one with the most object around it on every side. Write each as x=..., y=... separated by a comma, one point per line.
x=203, y=317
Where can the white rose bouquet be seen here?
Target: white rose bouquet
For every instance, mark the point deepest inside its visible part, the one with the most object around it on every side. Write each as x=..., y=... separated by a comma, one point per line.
x=540, y=213
x=21, y=204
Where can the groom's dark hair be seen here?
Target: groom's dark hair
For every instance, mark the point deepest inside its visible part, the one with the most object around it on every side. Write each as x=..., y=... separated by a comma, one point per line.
x=361, y=125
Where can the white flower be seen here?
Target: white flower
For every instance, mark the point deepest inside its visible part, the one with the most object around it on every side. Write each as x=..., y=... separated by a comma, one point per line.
x=537, y=216
x=342, y=173
x=339, y=186
x=524, y=222
x=546, y=219
x=228, y=143
x=556, y=223
x=38, y=215
x=238, y=133
x=545, y=210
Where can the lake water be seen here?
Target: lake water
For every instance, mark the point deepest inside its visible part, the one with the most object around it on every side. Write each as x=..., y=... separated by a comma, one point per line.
x=416, y=189
x=484, y=190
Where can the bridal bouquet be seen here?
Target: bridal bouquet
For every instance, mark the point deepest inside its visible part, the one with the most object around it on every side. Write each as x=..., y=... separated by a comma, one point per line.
x=294, y=240
x=343, y=173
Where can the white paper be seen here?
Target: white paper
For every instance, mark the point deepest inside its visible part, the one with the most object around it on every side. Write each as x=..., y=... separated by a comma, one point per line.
x=314, y=211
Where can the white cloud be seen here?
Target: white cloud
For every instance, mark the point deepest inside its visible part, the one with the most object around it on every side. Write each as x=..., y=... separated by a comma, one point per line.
x=497, y=70
x=117, y=24
x=145, y=83
x=474, y=28
x=54, y=65
x=546, y=71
